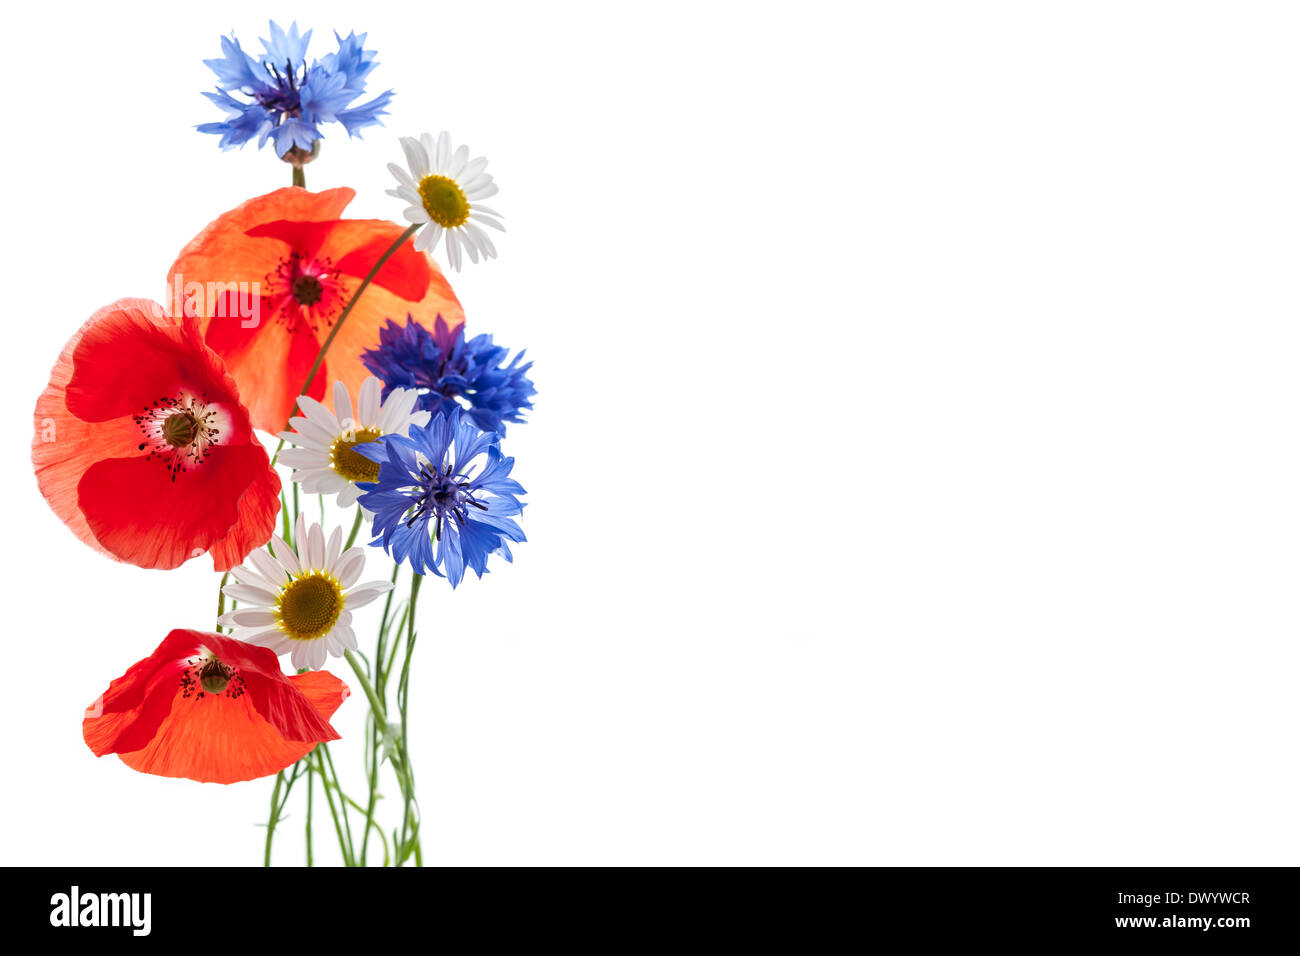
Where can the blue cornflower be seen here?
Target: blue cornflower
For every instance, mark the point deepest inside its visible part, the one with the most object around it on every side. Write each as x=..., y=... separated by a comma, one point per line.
x=451, y=373
x=290, y=98
x=444, y=497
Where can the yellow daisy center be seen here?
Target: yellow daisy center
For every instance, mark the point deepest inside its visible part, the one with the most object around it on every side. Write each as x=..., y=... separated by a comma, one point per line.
x=310, y=606
x=444, y=201
x=350, y=464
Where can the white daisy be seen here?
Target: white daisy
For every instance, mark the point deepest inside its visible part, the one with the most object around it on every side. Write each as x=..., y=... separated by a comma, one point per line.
x=443, y=187
x=324, y=461
x=298, y=600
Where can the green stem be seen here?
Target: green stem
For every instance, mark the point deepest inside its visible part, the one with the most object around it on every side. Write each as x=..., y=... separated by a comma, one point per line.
x=221, y=597
x=327, y=758
x=311, y=787
x=356, y=526
x=286, y=532
x=329, y=799
x=372, y=732
x=410, y=812
x=273, y=819
x=376, y=707
x=278, y=807
x=299, y=177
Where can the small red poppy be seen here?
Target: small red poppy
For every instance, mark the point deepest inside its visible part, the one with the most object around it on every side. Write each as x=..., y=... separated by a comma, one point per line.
x=143, y=449
x=213, y=709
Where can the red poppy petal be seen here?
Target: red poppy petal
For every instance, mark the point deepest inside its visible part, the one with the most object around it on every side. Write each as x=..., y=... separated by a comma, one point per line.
x=360, y=242
x=270, y=362
x=257, y=512
x=139, y=513
x=224, y=252
x=119, y=718
x=63, y=444
x=302, y=355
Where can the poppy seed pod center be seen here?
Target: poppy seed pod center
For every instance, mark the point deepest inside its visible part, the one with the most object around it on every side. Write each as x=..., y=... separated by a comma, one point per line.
x=307, y=289
x=214, y=676
x=180, y=429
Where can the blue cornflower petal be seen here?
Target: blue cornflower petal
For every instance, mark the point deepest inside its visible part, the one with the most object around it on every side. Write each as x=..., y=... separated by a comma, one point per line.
x=235, y=69
x=453, y=374
x=286, y=48
x=359, y=117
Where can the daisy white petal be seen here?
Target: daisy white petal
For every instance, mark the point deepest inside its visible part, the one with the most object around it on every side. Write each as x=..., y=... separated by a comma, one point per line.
x=285, y=554
x=402, y=176
x=346, y=636
x=318, y=414
x=267, y=566
x=254, y=617
x=417, y=160
x=248, y=595
x=363, y=594
x=350, y=566
x=315, y=547
x=332, y=549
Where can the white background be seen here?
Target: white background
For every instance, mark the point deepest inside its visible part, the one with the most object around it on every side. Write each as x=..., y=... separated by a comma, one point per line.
x=913, y=477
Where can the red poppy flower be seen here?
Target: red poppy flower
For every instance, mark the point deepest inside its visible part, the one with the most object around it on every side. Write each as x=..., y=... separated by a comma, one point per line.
x=269, y=279
x=212, y=709
x=143, y=449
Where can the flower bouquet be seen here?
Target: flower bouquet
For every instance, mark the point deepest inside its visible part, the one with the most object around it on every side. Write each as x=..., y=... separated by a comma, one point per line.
x=342, y=342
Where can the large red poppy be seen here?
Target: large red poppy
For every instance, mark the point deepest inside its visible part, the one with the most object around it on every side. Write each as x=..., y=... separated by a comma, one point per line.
x=143, y=449
x=299, y=265
x=213, y=709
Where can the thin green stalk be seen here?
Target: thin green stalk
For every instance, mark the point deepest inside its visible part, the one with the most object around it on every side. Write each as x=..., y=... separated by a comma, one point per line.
x=278, y=808
x=327, y=758
x=372, y=731
x=311, y=787
x=286, y=532
x=299, y=177
x=329, y=799
x=274, y=818
x=221, y=597
x=356, y=526
x=376, y=707
x=410, y=812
